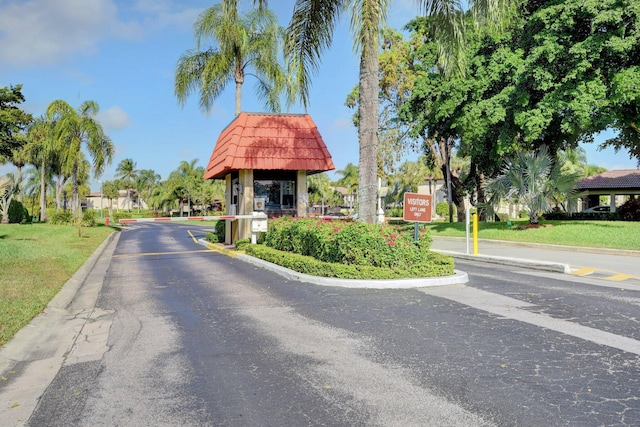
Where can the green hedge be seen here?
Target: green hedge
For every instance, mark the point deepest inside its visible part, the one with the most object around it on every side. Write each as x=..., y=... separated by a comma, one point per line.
x=436, y=265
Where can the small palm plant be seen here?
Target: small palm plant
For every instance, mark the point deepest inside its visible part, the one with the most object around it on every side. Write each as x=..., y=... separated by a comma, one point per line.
x=7, y=191
x=533, y=180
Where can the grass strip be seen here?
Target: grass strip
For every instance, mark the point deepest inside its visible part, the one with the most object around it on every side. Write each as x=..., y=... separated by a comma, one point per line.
x=36, y=260
x=592, y=234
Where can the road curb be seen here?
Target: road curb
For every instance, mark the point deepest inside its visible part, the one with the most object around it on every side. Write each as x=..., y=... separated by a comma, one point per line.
x=460, y=277
x=555, y=267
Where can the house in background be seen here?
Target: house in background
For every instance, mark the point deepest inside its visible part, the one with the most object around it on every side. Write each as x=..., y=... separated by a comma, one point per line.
x=264, y=160
x=96, y=201
x=617, y=185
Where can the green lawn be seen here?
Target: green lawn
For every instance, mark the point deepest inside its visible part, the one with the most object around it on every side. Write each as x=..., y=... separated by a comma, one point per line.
x=596, y=234
x=35, y=261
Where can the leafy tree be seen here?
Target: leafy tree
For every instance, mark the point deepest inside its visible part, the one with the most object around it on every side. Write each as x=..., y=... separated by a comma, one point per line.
x=126, y=171
x=250, y=42
x=12, y=121
x=76, y=130
x=533, y=180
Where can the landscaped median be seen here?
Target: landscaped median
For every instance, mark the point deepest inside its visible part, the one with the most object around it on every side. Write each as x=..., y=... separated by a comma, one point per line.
x=353, y=254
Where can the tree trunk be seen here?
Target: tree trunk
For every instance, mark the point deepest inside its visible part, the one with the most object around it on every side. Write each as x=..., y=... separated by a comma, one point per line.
x=368, y=131
x=43, y=193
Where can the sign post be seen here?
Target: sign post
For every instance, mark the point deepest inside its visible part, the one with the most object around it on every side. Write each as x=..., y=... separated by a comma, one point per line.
x=417, y=209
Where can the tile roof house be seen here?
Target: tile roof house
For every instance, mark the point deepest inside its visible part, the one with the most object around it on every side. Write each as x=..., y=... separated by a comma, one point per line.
x=264, y=160
x=612, y=180
x=625, y=182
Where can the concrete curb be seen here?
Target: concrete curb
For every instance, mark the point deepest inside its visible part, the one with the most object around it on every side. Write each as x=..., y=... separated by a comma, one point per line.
x=459, y=277
x=555, y=267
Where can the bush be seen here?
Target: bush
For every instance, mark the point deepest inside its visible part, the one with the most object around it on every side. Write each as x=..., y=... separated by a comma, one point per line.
x=17, y=213
x=395, y=212
x=221, y=228
x=523, y=214
x=89, y=218
x=435, y=265
x=117, y=216
x=61, y=218
x=350, y=243
x=442, y=209
x=630, y=210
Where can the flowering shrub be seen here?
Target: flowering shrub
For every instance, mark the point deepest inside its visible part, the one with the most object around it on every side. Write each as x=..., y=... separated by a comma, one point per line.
x=350, y=243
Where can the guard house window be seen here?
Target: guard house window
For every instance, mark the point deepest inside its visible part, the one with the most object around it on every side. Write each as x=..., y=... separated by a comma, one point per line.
x=274, y=196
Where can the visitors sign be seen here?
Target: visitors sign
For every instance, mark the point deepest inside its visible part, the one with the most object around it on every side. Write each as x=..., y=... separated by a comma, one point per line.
x=417, y=207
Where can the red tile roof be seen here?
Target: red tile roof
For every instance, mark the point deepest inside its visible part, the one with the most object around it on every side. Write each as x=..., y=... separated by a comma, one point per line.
x=269, y=142
x=611, y=180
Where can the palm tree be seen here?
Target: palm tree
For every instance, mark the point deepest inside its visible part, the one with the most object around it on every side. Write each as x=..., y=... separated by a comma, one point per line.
x=531, y=179
x=110, y=191
x=320, y=189
x=146, y=179
x=243, y=43
x=42, y=153
x=78, y=130
x=184, y=182
x=311, y=31
x=7, y=191
x=127, y=172
x=349, y=180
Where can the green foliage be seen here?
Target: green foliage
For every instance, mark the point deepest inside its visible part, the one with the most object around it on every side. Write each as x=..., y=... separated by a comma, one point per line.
x=35, y=262
x=442, y=209
x=61, y=218
x=630, y=210
x=350, y=243
x=435, y=265
x=395, y=212
x=219, y=234
x=12, y=121
x=89, y=218
x=117, y=216
x=17, y=213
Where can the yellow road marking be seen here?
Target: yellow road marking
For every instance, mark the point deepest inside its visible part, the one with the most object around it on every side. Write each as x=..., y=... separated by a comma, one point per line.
x=190, y=234
x=583, y=271
x=161, y=253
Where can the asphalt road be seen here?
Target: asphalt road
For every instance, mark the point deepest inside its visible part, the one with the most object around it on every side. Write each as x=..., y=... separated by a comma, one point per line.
x=183, y=336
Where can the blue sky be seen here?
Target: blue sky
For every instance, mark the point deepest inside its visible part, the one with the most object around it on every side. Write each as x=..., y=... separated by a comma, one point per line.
x=122, y=54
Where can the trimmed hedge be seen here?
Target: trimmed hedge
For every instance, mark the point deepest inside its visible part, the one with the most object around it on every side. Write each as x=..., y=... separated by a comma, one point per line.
x=350, y=250
x=437, y=265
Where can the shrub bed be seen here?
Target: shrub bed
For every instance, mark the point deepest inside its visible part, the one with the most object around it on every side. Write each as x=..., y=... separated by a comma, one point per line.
x=348, y=249
x=436, y=265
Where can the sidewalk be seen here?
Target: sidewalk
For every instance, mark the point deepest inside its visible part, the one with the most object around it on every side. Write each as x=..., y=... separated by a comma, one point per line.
x=602, y=263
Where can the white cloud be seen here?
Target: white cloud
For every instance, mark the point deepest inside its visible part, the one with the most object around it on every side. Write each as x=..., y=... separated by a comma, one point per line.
x=114, y=118
x=46, y=32
x=39, y=32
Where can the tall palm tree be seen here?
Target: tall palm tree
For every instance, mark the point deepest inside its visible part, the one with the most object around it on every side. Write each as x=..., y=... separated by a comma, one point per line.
x=311, y=31
x=78, y=130
x=250, y=42
x=43, y=154
x=127, y=172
